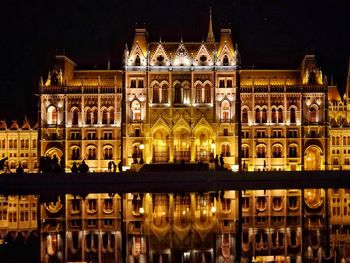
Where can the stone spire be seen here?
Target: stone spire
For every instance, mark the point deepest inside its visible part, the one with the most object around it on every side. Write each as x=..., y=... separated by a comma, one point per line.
x=210, y=36
x=348, y=82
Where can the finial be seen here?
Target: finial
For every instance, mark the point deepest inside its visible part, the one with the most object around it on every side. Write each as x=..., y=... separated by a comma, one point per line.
x=41, y=82
x=210, y=36
x=181, y=39
x=108, y=64
x=160, y=39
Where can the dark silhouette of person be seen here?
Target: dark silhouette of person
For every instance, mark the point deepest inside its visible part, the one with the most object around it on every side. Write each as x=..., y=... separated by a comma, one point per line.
x=19, y=169
x=4, y=165
x=109, y=166
x=74, y=168
x=216, y=161
x=62, y=163
x=114, y=167
x=222, y=161
x=120, y=166
x=83, y=167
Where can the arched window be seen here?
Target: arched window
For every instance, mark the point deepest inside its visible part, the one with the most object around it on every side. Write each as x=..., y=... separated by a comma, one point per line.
x=225, y=110
x=186, y=94
x=333, y=140
x=75, y=116
x=199, y=93
x=257, y=116
x=137, y=61
x=207, y=95
x=292, y=152
x=111, y=116
x=177, y=97
x=51, y=115
x=225, y=61
x=108, y=153
x=245, y=116
x=264, y=115
x=313, y=113
x=94, y=115
x=164, y=94
x=92, y=153
x=312, y=78
x=261, y=151
x=292, y=115
x=225, y=150
x=245, y=151
x=104, y=116
x=136, y=110
x=75, y=153
x=273, y=116
x=88, y=116
x=156, y=93
x=280, y=115
x=277, y=151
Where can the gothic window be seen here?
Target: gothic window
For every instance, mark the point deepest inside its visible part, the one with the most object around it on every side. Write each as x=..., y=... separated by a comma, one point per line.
x=177, y=97
x=140, y=83
x=257, y=116
x=245, y=151
x=292, y=151
x=225, y=61
x=164, y=94
x=277, y=151
x=313, y=113
x=225, y=150
x=137, y=61
x=92, y=153
x=133, y=83
x=273, y=116
x=91, y=206
x=136, y=110
x=15, y=144
x=222, y=83
x=88, y=116
x=104, y=116
x=51, y=115
x=199, y=93
x=186, y=94
x=108, y=153
x=225, y=111
x=94, y=115
x=156, y=93
x=111, y=116
x=245, y=116
x=347, y=161
x=136, y=203
x=292, y=115
x=280, y=115
x=207, y=96
x=75, y=118
x=261, y=151
x=264, y=116
x=229, y=83
x=75, y=153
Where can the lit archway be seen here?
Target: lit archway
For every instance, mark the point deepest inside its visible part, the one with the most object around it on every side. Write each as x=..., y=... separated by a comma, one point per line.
x=312, y=158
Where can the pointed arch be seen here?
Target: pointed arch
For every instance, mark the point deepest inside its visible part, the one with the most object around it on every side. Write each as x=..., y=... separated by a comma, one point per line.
x=225, y=110
x=51, y=115
x=135, y=107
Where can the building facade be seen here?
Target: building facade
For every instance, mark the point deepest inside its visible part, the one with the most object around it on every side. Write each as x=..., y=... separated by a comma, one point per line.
x=190, y=102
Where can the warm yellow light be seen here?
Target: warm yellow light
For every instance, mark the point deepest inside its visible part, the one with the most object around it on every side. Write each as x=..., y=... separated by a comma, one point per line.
x=142, y=146
x=183, y=212
x=213, y=209
x=142, y=210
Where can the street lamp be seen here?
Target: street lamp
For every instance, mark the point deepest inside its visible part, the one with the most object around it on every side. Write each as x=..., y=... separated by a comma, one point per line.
x=142, y=146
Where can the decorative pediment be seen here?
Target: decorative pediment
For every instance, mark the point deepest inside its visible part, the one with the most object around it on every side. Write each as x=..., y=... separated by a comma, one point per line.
x=182, y=123
x=182, y=57
x=160, y=58
x=224, y=54
x=160, y=124
x=136, y=56
x=203, y=123
x=203, y=57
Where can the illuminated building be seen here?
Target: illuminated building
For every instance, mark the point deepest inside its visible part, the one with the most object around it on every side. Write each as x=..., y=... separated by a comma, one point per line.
x=187, y=102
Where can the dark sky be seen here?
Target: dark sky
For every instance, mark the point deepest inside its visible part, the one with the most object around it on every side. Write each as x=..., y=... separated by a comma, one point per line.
x=270, y=34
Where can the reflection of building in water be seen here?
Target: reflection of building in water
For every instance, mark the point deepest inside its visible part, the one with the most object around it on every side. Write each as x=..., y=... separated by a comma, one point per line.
x=188, y=102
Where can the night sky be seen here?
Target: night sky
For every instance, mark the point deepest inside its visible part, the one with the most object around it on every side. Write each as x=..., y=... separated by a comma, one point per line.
x=270, y=34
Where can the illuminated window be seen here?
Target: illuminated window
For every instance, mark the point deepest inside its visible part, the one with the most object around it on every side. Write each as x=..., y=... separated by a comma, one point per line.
x=108, y=153
x=199, y=94
x=280, y=115
x=225, y=150
x=177, y=97
x=186, y=94
x=273, y=116
x=277, y=151
x=264, y=116
x=313, y=113
x=245, y=151
x=75, y=116
x=156, y=93
x=88, y=116
x=136, y=110
x=51, y=115
x=225, y=110
x=292, y=152
x=111, y=116
x=261, y=151
x=257, y=116
x=92, y=153
x=104, y=116
x=75, y=153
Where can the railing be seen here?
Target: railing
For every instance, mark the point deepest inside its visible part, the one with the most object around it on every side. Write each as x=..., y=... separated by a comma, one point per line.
x=182, y=156
x=79, y=89
x=160, y=156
